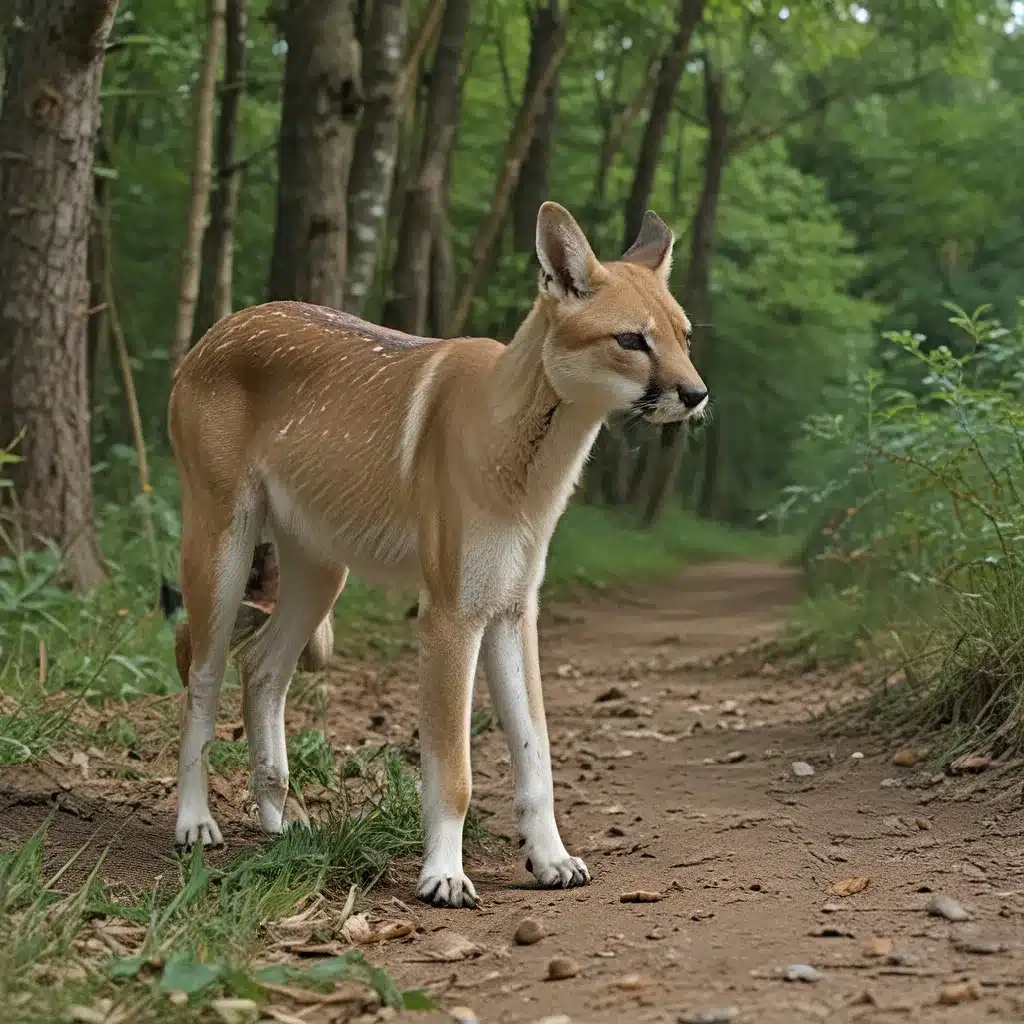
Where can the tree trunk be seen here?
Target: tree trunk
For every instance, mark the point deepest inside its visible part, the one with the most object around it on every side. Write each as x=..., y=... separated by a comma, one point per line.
x=669, y=72
x=376, y=147
x=319, y=114
x=697, y=287
x=48, y=131
x=215, y=294
x=195, y=226
x=406, y=305
x=534, y=97
x=532, y=187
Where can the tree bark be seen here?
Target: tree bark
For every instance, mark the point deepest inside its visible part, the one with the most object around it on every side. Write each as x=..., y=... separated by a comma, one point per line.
x=532, y=188
x=215, y=294
x=534, y=97
x=195, y=226
x=48, y=131
x=319, y=116
x=696, y=290
x=376, y=147
x=670, y=71
x=406, y=305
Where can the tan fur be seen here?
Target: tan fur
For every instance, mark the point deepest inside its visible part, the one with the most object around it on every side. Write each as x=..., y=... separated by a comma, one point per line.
x=413, y=461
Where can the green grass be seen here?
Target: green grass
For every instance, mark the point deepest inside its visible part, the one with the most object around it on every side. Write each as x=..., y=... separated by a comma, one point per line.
x=201, y=931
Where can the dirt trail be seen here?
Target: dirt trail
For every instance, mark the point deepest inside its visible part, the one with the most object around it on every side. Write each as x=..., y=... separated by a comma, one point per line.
x=677, y=779
x=673, y=742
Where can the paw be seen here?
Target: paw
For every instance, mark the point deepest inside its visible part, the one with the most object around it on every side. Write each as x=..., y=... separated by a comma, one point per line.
x=447, y=891
x=197, y=828
x=562, y=872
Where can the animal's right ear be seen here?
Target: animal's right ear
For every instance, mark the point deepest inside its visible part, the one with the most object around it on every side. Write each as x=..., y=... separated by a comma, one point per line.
x=569, y=268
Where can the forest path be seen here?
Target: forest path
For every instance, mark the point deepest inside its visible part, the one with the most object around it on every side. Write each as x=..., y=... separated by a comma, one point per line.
x=673, y=774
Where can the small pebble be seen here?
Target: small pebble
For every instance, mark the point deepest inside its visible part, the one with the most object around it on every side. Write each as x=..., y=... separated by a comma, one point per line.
x=733, y=757
x=530, y=931
x=947, y=907
x=963, y=992
x=558, y=1018
x=923, y=824
x=562, y=967
x=802, y=972
x=857, y=756
x=631, y=982
x=464, y=1015
x=710, y=1015
x=979, y=947
x=802, y=770
x=236, y=1011
x=878, y=946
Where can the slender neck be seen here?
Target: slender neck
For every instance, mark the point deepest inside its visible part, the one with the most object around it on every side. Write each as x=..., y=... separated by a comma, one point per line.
x=538, y=436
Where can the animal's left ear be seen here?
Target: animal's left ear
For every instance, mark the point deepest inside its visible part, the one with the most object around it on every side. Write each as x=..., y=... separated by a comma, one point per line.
x=653, y=246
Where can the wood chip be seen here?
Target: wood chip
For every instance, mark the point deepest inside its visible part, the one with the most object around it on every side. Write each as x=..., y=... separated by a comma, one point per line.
x=849, y=886
x=641, y=896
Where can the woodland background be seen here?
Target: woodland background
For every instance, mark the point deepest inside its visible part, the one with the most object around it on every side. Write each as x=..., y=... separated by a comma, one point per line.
x=836, y=173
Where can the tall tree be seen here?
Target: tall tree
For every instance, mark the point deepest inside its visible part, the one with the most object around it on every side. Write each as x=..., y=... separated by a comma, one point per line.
x=532, y=187
x=48, y=130
x=376, y=148
x=202, y=159
x=666, y=86
x=215, y=294
x=516, y=148
x=406, y=305
x=319, y=116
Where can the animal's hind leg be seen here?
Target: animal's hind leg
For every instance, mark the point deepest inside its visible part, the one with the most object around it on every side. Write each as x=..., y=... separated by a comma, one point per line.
x=307, y=595
x=216, y=552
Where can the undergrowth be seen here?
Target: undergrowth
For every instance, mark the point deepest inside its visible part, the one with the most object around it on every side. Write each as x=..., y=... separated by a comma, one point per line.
x=915, y=523
x=201, y=931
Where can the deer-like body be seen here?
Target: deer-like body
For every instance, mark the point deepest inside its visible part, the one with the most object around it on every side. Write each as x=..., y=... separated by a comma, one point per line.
x=443, y=465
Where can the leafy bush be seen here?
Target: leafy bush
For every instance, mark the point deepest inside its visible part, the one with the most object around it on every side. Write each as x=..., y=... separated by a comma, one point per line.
x=912, y=494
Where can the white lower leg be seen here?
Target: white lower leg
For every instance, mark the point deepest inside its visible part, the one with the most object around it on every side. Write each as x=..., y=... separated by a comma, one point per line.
x=513, y=676
x=195, y=822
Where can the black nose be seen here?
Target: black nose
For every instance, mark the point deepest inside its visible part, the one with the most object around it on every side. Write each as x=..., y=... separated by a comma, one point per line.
x=691, y=396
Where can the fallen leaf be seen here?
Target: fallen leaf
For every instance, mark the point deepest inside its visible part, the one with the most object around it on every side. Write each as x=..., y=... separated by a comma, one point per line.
x=236, y=1011
x=357, y=929
x=394, y=930
x=962, y=992
x=849, y=886
x=641, y=896
x=970, y=763
x=451, y=948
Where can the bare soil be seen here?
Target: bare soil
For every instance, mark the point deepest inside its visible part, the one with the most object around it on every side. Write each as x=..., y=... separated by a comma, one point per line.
x=674, y=733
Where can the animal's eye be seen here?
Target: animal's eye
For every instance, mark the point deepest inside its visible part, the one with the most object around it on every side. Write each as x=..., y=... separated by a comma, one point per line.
x=632, y=342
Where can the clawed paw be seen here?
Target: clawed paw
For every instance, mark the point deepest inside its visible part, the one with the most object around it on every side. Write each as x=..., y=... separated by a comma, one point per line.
x=559, y=873
x=200, y=828
x=453, y=891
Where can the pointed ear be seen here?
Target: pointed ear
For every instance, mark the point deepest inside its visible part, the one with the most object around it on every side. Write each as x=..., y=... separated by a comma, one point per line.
x=569, y=268
x=653, y=246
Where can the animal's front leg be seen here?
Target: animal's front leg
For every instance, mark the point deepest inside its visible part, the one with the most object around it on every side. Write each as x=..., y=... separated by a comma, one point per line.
x=449, y=647
x=513, y=676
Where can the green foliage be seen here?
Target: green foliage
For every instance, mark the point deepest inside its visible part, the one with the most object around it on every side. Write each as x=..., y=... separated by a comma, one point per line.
x=913, y=495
